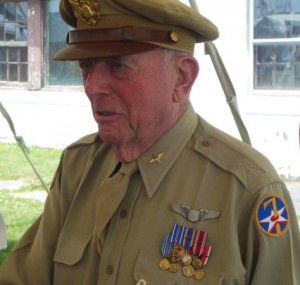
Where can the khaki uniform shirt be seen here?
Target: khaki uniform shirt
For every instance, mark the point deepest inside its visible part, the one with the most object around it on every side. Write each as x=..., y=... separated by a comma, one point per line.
x=200, y=168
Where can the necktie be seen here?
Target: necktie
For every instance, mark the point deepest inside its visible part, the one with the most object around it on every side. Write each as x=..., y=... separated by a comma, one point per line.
x=111, y=193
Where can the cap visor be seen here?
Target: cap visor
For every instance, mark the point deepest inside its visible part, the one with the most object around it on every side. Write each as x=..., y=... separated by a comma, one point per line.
x=101, y=49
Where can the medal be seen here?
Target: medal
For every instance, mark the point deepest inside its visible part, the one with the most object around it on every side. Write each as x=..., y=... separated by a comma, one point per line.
x=188, y=270
x=186, y=259
x=165, y=249
x=199, y=274
x=187, y=243
x=173, y=256
x=196, y=262
x=174, y=267
x=164, y=264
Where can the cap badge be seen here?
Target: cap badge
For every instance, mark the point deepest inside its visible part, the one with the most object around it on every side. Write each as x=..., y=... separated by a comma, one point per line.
x=86, y=10
x=272, y=215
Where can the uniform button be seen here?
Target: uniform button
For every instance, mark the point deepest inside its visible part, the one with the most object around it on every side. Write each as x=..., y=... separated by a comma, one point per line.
x=123, y=213
x=109, y=269
x=206, y=143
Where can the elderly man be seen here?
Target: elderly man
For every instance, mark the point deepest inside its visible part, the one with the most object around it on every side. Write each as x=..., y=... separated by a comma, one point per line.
x=157, y=195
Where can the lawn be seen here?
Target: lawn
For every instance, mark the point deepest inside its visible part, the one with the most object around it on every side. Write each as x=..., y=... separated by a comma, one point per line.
x=17, y=211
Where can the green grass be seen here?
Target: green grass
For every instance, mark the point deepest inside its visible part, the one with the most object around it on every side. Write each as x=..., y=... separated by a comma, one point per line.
x=14, y=165
x=19, y=213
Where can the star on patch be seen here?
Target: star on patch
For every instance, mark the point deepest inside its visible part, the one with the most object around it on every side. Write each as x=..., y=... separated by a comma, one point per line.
x=272, y=215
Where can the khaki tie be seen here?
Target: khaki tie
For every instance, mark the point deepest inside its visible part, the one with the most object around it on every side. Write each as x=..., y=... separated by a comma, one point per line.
x=111, y=193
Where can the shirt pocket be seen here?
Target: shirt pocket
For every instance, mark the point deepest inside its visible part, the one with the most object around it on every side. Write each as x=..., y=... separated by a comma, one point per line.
x=147, y=268
x=69, y=263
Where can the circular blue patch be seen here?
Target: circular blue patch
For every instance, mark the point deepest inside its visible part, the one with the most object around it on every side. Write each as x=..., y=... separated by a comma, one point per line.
x=272, y=215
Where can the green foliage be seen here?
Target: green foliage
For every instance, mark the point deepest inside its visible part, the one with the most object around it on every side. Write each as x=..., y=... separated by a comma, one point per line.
x=19, y=212
x=14, y=165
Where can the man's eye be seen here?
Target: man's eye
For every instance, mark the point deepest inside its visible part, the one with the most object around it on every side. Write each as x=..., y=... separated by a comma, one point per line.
x=85, y=65
x=116, y=65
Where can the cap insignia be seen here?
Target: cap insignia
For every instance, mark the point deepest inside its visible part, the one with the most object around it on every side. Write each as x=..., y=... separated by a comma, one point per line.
x=86, y=10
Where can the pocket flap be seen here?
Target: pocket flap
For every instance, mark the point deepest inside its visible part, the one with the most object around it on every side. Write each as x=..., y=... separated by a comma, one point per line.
x=71, y=247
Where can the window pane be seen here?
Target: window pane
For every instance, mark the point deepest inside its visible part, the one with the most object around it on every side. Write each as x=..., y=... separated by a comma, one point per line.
x=21, y=33
x=1, y=11
x=283, y=76
x=23, y=72
x=276, y=18
x=297, y=75
x=276, y=65
x=1, y=32
x=3, y=71
x=12, y=72
x=3, y=54
x=10, y=31
x=22, y=12
x=13, y=54
x=23, y=54
x=10, y=11
x=264, y=53
x=264, y=75
x=1, y=22
x=60, y=72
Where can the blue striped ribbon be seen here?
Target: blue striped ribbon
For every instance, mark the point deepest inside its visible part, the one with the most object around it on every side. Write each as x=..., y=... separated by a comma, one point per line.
x=166, y=245
x=177, y=234
x=188, y=238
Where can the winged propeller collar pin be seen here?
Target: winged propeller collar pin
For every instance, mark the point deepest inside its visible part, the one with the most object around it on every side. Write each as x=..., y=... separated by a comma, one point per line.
x=194, y=215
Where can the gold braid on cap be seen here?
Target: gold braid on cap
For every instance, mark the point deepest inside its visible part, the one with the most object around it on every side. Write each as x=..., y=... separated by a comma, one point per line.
x=86, y=10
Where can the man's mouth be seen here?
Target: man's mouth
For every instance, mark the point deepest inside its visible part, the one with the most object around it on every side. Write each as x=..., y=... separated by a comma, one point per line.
x=105, y=113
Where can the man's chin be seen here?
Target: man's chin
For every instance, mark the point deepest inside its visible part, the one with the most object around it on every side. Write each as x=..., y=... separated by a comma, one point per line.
x=109, y=138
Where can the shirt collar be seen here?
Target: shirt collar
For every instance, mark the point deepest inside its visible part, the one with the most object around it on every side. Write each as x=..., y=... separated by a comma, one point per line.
x=155, y=163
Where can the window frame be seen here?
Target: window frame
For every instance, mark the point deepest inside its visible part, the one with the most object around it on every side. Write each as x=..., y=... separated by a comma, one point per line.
x=252, y=65
x=16, y=44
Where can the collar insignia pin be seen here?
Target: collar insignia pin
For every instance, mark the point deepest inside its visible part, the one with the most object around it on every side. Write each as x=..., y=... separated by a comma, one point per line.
x=86, y=10
x=157, y=158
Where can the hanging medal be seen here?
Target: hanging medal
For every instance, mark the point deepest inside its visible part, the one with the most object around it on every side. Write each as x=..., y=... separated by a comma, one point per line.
x=165, y=249
x=176, y=252
x=186, y=260
x=196, y=251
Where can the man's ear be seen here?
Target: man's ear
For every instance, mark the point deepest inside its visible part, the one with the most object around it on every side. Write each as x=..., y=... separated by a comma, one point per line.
x=187, y=72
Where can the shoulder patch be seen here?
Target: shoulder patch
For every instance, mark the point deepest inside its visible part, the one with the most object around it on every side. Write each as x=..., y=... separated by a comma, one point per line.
x=272, y=215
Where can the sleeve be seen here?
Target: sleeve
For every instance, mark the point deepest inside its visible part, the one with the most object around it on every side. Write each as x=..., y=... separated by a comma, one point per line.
x=273, y=249
x=30, y=262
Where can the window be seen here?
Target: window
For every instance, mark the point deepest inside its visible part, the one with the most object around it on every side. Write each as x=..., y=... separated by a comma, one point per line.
x=60, y=72
x=13, y=41
x=276, y=44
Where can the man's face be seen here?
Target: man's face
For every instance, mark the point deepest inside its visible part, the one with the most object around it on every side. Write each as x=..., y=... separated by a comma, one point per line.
x=131, y=96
